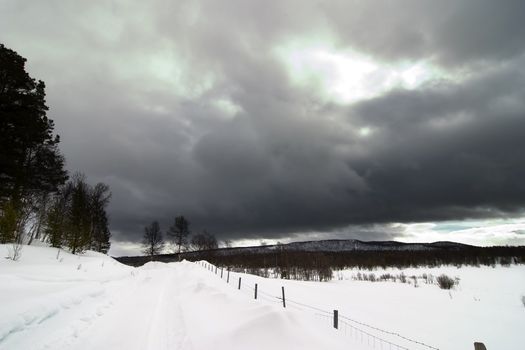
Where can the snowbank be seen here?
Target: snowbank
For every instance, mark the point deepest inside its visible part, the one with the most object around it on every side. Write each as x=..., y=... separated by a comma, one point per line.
x=92, y=301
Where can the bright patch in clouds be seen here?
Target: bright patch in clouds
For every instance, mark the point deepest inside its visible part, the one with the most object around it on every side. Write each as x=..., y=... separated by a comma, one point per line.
x=365, y=131
x=346, y=76
x=121, y=248
x=480, y=233
x=228, y=108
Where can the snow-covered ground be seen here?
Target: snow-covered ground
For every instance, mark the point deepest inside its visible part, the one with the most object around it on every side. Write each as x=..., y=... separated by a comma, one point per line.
x=92, y=301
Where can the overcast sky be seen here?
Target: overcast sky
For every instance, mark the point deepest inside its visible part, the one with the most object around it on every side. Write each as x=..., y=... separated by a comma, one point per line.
x=288, y=120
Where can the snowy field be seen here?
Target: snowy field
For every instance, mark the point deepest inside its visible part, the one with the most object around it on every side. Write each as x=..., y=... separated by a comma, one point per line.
x=93, y=302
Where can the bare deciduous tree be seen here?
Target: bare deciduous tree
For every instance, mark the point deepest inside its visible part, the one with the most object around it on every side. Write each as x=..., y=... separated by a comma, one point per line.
x=180, y=231
x=152, y=241
x=204, y=241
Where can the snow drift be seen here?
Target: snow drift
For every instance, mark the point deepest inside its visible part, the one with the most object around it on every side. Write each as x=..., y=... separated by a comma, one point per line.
x=92, y=301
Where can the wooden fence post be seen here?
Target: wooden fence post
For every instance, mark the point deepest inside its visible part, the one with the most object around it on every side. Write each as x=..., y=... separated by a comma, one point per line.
x=284, y=300
x=215, y=269
x=256, y=291
x=222, y=270
x=228, y=278
x=239, y=283
x=336, y=319
x=479, y=346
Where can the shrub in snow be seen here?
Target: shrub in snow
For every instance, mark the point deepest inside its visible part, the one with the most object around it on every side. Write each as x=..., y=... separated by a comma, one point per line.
x=402, y=277
x=386, y=277
x=505, y=261
x=445, y=282
x=14, y=252
x=429, y=278
x=415, y=281
x=340, y=275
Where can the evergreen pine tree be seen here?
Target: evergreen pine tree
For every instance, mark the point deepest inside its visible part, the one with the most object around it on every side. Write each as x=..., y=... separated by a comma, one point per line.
x=100, y=234
x=30, y=162
x=78, y=235
x=55, y=225
x=8, y=223
x=57, y=216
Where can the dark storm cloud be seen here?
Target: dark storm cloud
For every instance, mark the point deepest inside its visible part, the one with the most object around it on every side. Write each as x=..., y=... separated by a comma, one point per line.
x=183, y=108
x=448, y=151
x=452, y=32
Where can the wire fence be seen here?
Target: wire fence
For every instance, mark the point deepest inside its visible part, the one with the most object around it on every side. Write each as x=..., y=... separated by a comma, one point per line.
x=359, y=331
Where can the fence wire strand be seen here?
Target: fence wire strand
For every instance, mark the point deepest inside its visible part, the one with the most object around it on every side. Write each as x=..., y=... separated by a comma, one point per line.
x=388, y=332
x=308, y=306
x=374, y=337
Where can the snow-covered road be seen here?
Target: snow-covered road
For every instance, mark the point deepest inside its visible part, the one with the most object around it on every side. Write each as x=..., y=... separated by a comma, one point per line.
x=93, y=302
x=145, y=313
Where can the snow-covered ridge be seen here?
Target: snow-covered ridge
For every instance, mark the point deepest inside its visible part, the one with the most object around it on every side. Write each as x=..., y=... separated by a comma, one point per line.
x=329, y=245
x=344, y=245
x=341, y=245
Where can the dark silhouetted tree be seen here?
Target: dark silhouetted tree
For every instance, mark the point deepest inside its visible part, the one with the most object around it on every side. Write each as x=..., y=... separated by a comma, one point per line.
x=30, y=162
x=8, y=223
x=57, y=216
x=77, y=217
x=204, y=241
x=55, y=224
x=152, y=240
x=100, y=234
x=179, y=232
x=78, y=234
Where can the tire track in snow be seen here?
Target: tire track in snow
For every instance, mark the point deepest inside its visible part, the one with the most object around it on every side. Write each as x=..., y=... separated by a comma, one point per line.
x=147, y=316
x=39, y=313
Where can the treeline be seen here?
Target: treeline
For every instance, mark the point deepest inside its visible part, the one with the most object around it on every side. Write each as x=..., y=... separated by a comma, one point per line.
x=466, y=256
x=313, y=265
x=318, y=266
x=296, y=265
x=36, y=199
